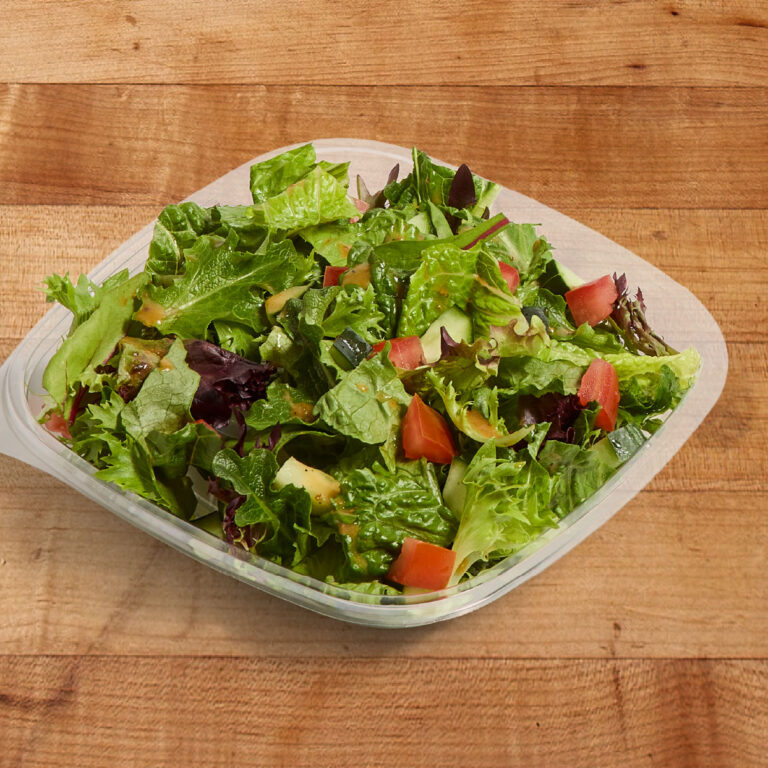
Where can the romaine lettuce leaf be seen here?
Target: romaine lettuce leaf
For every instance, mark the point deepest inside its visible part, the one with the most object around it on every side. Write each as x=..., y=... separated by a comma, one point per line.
x=526, y=250
x=646, y=373
x=316, y=198
x=367, y=403
x=164, y=401
x=576, y=471
x=379, y=508
x=177, y=228
x=339, y=307
x=334, y=239
x=271, y=177
x=283, y=405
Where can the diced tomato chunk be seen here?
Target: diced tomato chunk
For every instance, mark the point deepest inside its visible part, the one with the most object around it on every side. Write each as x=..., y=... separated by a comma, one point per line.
x=426, y=434
x=593, y=302
x=422, y=564
x=331, y=275
x=510, y=274
x=600, y=384
x=405, y=352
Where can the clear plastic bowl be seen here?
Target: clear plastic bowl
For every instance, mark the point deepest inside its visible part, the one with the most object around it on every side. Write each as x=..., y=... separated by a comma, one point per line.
x=673, y=311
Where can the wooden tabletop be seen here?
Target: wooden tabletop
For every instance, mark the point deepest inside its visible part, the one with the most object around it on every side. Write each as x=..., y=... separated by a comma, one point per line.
x=647, y=645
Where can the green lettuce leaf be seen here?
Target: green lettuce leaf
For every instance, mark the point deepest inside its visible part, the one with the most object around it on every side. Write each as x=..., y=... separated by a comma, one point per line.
x=238, y=338
x=279, y=520
x=221, y=283
x=525, y=250
x=451, y=276
x=577, y=472
x=507, y=506
x=445, y=278
x=379, y=508
x=466, y=419
x=82, y=298
x=93, y=341
x=339, y=307
x=271, y=177
x=283, y=405
x=313, y=200
x=367, y=403
x=176, y=229
x=194, y=445
x=334, y=240
x=165, y=398
x=647, y=383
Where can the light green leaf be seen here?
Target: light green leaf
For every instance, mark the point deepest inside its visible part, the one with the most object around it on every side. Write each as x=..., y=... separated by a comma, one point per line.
x=93, y=341
x=367, y=403
x=271, y=177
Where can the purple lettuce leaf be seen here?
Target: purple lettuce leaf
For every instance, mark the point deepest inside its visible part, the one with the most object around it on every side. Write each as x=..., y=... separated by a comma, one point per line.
x=559, y=410
x=228, y=382
x=462, y=192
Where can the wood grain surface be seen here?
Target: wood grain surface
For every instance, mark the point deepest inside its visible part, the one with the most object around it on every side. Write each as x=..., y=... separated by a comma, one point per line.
x=645, y=646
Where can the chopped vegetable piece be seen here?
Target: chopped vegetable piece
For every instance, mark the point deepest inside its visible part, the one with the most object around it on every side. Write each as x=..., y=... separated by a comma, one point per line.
x=457, y=324
x=331, y=275
x=322, y=488
x=275, y=303
x=540, y=312
x=352, y=348
x=405, y=352
x=359, y=275
x=510, y=274
x=592, y=302
x=422, y=564
x=600, y=384
x=426, y=434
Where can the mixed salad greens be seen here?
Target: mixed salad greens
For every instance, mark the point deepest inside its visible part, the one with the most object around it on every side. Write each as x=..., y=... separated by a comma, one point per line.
x=387, y=392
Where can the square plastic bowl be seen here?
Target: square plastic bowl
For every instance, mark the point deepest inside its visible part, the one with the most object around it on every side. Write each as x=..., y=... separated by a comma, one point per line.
x=674, y=312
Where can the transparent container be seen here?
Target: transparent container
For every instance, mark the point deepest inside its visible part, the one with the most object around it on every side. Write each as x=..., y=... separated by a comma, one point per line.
x=673, y=311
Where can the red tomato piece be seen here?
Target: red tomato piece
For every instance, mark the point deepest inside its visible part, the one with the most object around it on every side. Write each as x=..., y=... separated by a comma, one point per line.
x=331, y=275
x=426, y=434
x=593, y=302
x=510, y=274
x=406, y=352
x=600, y=384
x=421, y=564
